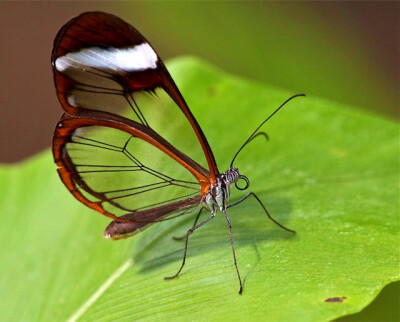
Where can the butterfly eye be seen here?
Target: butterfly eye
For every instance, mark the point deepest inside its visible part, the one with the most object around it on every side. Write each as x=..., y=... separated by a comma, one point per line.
x=246, y=180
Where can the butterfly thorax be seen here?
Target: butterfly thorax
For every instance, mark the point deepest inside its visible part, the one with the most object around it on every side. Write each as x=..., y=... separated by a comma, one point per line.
x=219, y=193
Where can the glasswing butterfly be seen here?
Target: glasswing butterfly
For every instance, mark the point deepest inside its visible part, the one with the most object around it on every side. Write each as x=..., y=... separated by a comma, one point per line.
x=127, y=144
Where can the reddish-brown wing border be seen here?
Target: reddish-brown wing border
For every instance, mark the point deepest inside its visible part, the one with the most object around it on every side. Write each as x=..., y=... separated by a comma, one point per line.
x=70, y=176
x=99, y=29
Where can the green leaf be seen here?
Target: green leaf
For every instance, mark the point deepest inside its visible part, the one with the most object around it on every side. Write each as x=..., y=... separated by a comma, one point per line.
x=328, y=172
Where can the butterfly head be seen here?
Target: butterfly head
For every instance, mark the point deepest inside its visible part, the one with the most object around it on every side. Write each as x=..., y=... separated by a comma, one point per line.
x=233, y=176
x=220, y=192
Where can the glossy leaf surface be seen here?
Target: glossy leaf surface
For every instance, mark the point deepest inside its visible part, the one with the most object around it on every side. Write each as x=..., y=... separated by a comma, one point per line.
x=329, y=173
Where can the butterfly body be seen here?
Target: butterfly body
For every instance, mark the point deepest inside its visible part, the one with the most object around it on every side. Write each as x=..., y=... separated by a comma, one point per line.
x=217, y=197
x=219, y=193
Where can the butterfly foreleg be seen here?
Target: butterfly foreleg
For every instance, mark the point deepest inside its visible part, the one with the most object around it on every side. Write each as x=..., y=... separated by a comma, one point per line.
x=262, y=205
x=189, y=232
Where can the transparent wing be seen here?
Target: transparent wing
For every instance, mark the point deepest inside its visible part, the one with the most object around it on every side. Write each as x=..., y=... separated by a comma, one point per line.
x=101, y=63
x=118, y=169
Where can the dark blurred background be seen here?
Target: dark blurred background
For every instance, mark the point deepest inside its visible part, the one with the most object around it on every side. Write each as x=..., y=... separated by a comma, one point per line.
x=344, y=51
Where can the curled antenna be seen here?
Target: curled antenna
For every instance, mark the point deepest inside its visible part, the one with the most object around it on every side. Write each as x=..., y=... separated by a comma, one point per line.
x=254, y=133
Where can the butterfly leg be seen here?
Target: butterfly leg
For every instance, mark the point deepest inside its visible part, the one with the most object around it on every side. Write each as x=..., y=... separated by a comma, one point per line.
x=195, y=223
x=189, y=232
x=265, y=209
x=233, y=250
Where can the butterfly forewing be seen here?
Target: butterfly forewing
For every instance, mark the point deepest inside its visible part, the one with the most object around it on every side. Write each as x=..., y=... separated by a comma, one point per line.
x=128, y=140
x=102, y=63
